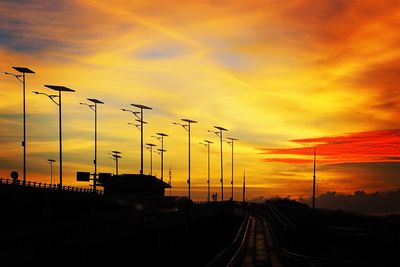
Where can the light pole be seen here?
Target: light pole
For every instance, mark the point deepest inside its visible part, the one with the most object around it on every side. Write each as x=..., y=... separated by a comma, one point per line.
x=140, y=119
x=314, y=178
x=231, y=144
x=22, y=70
x=116, y=156
x=187, y=128
x=207, y=144
x=135, y=114
x=94, y=108
x=244, y=187
x=51, y=170
x=219, y=133
x=59, y=89
x=160, y=137
x=150, y=146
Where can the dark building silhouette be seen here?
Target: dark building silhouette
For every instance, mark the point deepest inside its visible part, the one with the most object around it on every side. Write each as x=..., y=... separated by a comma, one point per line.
x=133, y=185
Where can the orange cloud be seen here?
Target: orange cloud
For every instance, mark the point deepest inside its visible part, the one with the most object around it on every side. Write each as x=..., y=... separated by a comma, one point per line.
x=373, y=146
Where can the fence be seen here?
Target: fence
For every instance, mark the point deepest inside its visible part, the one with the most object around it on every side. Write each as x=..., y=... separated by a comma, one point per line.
x=48, y=187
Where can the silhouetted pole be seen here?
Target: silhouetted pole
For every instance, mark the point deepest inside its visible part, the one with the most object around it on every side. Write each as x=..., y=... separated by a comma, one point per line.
x=140, y=119
x=51, y=169
x=94, y=108
x=231, y=144
x=244, y=187
x=161, y=139
x=207, y=144
x=170, y=180
x=59, y=89
x=187, y=128
x=222, y=166
x=22, y=70
x=116, y=156
x=150, y=148
x=314, y=177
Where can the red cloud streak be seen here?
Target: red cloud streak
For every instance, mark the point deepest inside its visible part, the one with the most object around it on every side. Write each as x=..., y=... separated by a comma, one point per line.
x=372, y=146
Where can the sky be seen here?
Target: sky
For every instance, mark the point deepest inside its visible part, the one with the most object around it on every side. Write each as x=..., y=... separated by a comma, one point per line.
x=281, y=76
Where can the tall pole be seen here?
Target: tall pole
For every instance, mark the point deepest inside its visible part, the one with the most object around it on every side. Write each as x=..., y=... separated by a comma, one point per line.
x=219, y=133
x=313, y=196
x=187, y=128
x=116, y=157
x=141, y=141
x=59, y=89
x=232, y=175
x=244, y=187
x=231, y=143
x=24, y=141
x=94, y=108
x=208, y=167
x=141, y=107
x=222, y=169
x=51, y=172
x=150, y=148
x=208, y=144
x=60, y=136
x=189, y=161
x=22, y=70
x=95, y=150
x=116, y=166
x=160, y=138
x=162, y=158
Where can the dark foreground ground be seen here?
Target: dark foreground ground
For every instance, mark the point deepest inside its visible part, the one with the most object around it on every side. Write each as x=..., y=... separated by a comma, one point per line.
x=49, y=228
x=45, y=227
x=332, y=238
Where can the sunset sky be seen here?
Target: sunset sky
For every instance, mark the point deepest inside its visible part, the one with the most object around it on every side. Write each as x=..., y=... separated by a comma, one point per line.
x=281, y=76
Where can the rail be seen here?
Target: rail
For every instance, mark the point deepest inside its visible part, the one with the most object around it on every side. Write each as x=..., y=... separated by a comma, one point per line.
x=48, y=187
x=232, y=252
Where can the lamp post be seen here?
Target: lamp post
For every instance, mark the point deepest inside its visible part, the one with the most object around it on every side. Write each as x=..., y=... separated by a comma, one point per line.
x=160, y=137
x=207, y=144
x=135, y=114
x=314, y=178
x=231, y=144
x=244, y=187
x=94, y=108
x=22, y=70
x=116, y=156
x=150, y=146
x=140, y=119
x=59, y=89
x=51, y=170
x=187, y=128
x=219, y=133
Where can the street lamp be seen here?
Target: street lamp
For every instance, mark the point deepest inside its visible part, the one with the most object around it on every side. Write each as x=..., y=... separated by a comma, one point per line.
x=314, y=178
x=116, y=156
x=187, y=128
x=231, y=144
x=51, y=170
x=160, y=137
x=59, y=89
x=149, y=147
x=94, y=108
x=207, y=144
x=140, y=119
x=22, y=70
x=219, y=133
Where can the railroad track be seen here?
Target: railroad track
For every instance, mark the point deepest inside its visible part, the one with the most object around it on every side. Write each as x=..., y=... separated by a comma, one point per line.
x=260, y=250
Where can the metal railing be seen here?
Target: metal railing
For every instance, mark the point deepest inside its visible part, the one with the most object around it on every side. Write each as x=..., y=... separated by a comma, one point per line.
x=46, y=186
